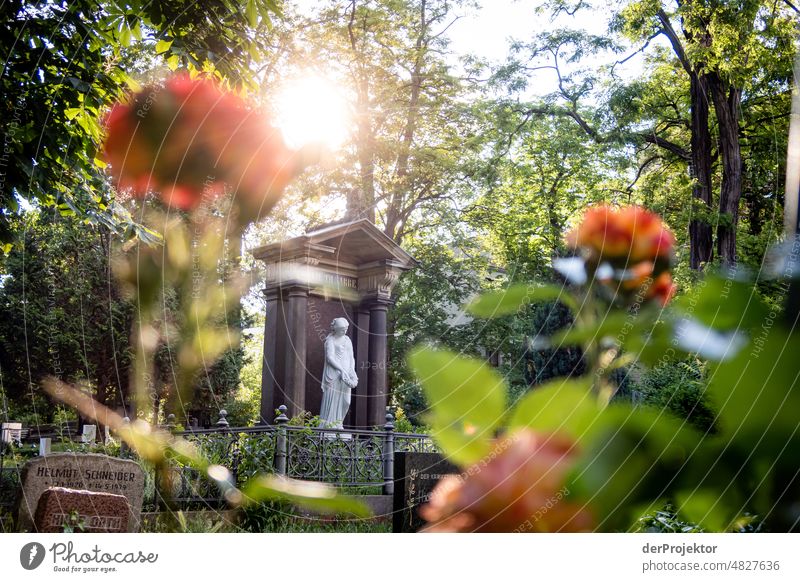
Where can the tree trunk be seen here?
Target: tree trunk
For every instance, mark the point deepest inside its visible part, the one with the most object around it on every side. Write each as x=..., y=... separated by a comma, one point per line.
x=361, y=201
x=394, y=211
x=700, y=234
x=726, y=105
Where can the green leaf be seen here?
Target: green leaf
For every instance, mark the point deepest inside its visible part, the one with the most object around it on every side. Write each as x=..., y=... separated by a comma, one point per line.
x=125, y=35
x=706, y=508
x=510, y=300
x=319, y=497
x=466, y=399
x=252, y=13
x=613, y=324
x=72, y=112
x=562, y=405
x=631, y=461
x=163, y=45
x=757, y=396
x=274, y=6
x=724, y=303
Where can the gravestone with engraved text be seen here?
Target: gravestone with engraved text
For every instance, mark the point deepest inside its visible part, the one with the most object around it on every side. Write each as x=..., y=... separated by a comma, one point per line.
x=416, y=475
x=83, y=471
x=81, y=511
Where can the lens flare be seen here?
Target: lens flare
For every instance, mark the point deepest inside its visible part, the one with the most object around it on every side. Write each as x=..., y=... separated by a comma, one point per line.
x=312, y=110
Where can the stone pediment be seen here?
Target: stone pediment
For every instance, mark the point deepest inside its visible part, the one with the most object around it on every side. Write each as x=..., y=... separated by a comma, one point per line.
x=349, y=244
x=349, y=256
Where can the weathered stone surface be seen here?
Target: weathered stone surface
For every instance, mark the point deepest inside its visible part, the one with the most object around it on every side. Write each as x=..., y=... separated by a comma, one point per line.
x=416, y=475
x=86, y=511
x=85, y=471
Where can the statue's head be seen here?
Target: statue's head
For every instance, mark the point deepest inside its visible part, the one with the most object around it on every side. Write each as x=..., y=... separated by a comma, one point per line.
x=339, y=326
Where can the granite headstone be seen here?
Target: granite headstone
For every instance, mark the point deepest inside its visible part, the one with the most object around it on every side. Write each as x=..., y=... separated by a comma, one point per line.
x=86, y=511
x=416, y=476
x=84, y=471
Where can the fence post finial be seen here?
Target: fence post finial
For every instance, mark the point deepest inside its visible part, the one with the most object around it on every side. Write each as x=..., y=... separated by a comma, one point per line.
x=388, y=454
x=281, y=418
x=281, y=444
x=223, y=422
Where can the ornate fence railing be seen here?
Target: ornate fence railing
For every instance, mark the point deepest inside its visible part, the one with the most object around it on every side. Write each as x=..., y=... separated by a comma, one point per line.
x=347, y=458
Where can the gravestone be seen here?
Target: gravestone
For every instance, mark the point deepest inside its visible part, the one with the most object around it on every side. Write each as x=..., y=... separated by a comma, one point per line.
x=86, y=511
x=11, y=432
x=84, y=471
x=45, y=446
x=89, y=433
x=416, y=476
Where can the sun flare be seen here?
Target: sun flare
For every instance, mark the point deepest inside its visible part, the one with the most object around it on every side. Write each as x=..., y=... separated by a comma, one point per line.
x=312, y=110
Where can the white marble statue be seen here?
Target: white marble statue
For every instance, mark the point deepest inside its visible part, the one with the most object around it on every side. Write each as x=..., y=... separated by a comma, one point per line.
x=338, y=376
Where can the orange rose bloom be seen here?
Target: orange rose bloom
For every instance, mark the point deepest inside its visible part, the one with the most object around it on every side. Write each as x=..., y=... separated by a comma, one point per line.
x=642, y=278
x=190, y=139
x=662, y=289
x=520, y=489
x=630, y=234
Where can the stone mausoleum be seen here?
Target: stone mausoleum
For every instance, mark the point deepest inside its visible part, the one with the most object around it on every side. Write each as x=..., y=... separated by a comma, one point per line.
x=341, y=270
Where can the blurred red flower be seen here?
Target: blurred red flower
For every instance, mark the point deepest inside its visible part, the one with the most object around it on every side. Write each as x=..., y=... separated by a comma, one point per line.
x=662, y=289
x=629, y=234
x=520, y=488
x=629, y=251
x=641, y=278
x=190, y=139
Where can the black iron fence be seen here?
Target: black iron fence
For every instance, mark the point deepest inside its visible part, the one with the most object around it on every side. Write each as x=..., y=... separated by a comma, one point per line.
x=351, y=458
x=359, y=460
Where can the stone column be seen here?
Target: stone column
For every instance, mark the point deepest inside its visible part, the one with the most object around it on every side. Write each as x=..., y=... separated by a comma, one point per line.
x=269, y=371
x=376, y=403
x=294, y=385
x=358, y=405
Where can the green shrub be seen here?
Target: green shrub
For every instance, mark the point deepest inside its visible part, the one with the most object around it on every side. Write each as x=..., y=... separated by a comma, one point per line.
x=679, y=388
x=664, y=521
x=269, y=516
x=403, y=424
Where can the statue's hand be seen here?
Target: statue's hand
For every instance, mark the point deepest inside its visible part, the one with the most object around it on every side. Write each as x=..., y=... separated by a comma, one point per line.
x=351, y=380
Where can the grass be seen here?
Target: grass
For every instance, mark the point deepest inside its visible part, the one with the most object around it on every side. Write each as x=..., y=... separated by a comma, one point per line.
x=268, y=521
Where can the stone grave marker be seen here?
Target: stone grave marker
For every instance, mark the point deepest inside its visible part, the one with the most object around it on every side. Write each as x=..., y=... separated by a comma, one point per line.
x=11, y=432
x=86, y=511
x=45, y=446
x=83, y=471
x=89, y=433
x=416, y=476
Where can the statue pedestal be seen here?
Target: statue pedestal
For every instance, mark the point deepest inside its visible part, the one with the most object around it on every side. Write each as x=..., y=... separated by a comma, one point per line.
x=343, y=270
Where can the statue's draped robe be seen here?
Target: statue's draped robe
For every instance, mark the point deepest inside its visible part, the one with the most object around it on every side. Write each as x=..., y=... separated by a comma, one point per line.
x=335, y=391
